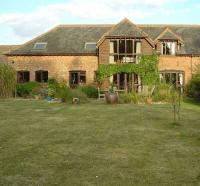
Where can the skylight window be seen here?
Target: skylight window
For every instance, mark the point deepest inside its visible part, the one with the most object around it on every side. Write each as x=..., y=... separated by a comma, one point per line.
x=40, y=45
x=90, y=46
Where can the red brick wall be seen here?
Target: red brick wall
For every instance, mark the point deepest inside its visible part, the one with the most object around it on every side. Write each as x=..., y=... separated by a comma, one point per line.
x=186, y=64
x=57, y=66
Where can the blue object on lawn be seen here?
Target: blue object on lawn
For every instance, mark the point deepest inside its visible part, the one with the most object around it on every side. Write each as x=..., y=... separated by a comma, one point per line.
x=49, y=98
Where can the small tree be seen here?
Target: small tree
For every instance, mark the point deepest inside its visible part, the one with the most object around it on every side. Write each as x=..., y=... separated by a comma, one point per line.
x=176, y=98
x=7, y=80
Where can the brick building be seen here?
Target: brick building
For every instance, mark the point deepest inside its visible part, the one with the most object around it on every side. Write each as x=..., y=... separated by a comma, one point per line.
x=74, y=52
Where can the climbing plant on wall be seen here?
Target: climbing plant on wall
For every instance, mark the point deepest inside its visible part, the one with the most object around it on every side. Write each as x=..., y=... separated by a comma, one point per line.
x=147, y=69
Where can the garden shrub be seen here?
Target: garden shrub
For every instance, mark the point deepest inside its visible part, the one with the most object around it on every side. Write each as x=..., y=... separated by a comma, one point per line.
x=7, y=80
x=89, y=90
x=162, y=92
x=27, y=89
x=193, y=87
x=53, y=86
x=76, y=93
x=40, y=90
x=131, y=97
x=62, y=91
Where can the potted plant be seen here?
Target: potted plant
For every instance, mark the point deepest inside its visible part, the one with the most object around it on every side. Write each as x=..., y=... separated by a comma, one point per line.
x=111, y=96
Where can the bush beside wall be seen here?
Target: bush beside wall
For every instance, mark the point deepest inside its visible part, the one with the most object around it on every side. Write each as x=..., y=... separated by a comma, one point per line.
x=7, y=81
x=193, y=87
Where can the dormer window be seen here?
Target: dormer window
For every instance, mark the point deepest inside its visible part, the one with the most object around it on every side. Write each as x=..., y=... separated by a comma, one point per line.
x=40, y=46
x=168, y=48
x=90, y=46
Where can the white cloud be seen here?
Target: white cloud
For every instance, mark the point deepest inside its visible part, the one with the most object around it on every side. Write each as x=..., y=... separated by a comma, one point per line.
x=27, y=25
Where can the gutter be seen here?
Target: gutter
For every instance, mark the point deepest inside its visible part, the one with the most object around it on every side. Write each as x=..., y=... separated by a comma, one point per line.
x=51, y=54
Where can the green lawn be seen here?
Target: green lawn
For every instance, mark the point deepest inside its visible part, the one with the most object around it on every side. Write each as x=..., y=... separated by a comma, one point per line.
x=44, y=144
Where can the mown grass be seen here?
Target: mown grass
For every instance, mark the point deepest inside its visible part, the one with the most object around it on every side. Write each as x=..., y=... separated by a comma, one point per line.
x=98, y=144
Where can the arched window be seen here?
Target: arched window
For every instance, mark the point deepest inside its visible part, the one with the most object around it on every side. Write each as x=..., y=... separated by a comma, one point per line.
x=41, y=76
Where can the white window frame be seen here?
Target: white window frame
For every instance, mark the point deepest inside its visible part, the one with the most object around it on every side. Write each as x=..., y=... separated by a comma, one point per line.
x=90, y=43
x=171, y=45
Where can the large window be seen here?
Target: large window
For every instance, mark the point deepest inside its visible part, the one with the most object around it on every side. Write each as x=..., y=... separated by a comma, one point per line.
x=168, y=48
x=23, y=76
x=176, y=78
x=124, y=50
x=125, y=81
x=41, y=76
x=77, y=78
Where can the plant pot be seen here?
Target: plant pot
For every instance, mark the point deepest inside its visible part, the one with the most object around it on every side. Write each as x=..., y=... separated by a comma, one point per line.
x=149, y=101
x=62, y=100
x=111, y=98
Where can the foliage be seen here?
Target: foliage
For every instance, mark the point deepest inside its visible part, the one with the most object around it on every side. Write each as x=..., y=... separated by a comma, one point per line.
x=146, y=68
x=7, y=80
x=193, y=87
x=162, y=92
x=131, y=97
x=76, y=93
x=176, y=98
x=61, y=90
x=53, y=86
x=89, y=90
x=27, y=89
x=64, y=94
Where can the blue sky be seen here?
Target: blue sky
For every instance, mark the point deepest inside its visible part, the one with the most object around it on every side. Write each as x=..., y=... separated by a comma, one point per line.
x=22, y=20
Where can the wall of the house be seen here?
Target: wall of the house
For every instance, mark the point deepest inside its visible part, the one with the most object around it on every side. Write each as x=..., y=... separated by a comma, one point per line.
x=186, y=64
x=147, y=49
x=57, y=66
x=104, y=50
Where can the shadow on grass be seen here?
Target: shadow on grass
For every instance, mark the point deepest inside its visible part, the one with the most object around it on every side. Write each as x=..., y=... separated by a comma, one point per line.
x=176, y=124
x=192, y=101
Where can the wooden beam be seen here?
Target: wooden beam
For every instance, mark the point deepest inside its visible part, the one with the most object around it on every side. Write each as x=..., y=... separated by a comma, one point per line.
x=118, y=81
x=125, y=81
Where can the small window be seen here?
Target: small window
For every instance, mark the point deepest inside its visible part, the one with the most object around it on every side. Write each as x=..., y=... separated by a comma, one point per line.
x=41, y=76
x=40, y=45
x=168, y=48
x=77, y=78
x=23, y=76
x=90, y=46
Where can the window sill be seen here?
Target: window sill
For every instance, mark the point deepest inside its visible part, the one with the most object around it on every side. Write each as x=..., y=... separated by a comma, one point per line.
x=164, y=55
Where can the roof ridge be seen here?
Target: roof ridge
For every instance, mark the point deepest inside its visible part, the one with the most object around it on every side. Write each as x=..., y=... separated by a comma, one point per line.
x=167, y=25
x=8, y=45
x=127, y=21
x=85, y=25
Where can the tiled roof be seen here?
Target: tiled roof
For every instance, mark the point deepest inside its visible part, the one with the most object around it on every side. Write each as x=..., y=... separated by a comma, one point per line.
x=71, y=39
x=5, y=49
